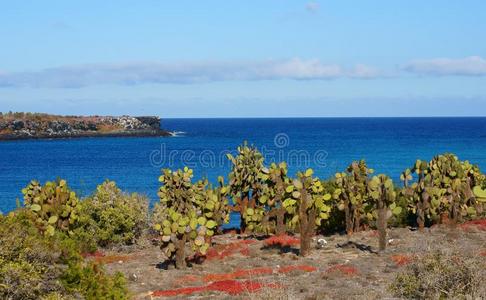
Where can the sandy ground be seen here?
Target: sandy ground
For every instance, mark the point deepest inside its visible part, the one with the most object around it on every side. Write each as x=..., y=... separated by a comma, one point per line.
x=345, y=268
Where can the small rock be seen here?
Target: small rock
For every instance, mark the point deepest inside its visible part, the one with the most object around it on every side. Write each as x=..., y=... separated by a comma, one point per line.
x=133, y=277
x=321, y=243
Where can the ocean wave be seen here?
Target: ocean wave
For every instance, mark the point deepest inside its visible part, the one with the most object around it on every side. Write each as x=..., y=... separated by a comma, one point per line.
x=177, y=133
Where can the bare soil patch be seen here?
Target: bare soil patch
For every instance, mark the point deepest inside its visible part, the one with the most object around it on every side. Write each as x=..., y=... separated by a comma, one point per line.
x=249, y=268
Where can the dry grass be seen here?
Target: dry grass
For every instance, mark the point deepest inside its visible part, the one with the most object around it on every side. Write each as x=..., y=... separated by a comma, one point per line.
x=105, y=128
x=278, y=290
x=446, y=273
x=6, y=131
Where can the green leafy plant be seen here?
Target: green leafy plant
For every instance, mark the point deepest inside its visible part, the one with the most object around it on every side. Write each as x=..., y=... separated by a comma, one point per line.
x=111, y=217
x=36, y=266
x=90, y=280
x=53, y=206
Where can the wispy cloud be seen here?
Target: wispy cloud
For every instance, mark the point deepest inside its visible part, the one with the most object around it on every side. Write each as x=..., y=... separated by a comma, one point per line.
x=468, y=66
x=366, y=72
x=182, y=73
x=312, y=7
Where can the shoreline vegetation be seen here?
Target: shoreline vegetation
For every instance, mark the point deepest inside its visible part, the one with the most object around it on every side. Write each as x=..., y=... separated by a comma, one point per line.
x=293, y=214
x=21, y=126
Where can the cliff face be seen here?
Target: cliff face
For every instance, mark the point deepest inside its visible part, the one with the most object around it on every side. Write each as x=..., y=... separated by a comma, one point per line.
x=31, y=126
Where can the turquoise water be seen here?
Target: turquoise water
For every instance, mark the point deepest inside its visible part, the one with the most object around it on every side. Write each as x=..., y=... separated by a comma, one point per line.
x=325, y=144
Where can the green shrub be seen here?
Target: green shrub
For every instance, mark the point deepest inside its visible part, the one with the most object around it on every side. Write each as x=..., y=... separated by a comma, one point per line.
x=438, y=276
x=111, y=217
x=91, y=281
x=34, y=266
x=28, y=262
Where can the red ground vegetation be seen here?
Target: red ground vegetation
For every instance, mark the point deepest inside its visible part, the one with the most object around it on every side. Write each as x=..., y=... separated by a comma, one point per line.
x=479, y=224
x=222, y=251
x=245, y=273
x=305, y=268
x=231, y=287
x=186, y=279
x=344, y=269
x=97, y=253
x=401, y=259
x=282, y=241
x=238, y=274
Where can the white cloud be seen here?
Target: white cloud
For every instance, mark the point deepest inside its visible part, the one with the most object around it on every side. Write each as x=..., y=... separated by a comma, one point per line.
x=182, y=73
x=364, y=72
x=468, y=66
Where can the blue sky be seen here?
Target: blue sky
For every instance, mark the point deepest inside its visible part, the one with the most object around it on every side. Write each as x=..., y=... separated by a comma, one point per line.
x=244, y=58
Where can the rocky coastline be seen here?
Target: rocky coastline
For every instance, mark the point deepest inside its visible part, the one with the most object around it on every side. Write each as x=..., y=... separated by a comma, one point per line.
x=19, y=126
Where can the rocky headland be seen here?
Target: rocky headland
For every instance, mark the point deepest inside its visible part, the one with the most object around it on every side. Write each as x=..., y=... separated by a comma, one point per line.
x=15, y=126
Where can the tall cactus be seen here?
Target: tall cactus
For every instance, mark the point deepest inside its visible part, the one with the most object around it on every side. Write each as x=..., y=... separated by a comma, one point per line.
x=309, y=205
x=276, y=189
x=245, y=182
x=351, y=193
x=53, y=206
x=382, y=192
x=187, y=213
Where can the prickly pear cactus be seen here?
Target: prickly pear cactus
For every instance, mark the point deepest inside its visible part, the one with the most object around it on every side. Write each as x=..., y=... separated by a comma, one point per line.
x=308, y=205
x=382, y=193
x=187, y=214
x=216, y=206
x=275, y=190
x=480, y=193
x=351, y=195
x=444, y=189
x=245, y=183
x=406, y=176
x=53, y=206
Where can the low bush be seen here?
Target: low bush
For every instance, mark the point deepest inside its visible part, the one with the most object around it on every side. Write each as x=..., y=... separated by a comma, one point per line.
x=28, y=263
x=34, y=266
x=437, y=276
x=111, y=217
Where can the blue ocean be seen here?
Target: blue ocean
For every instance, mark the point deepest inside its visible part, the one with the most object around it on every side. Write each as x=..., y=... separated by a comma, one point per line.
x=327, y=145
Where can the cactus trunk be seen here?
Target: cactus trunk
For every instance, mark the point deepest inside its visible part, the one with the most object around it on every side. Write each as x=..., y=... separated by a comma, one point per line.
x=243, y=207
x=420, y=220
x=382, y=225
x=180, y=253
x=444, y=218
x=280, y=221
x=421, y=214
x=349, y=219
x=306, y=223
x=356, y=217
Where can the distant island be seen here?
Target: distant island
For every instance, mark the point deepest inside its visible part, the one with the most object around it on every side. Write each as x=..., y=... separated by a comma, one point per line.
x=17, y=126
